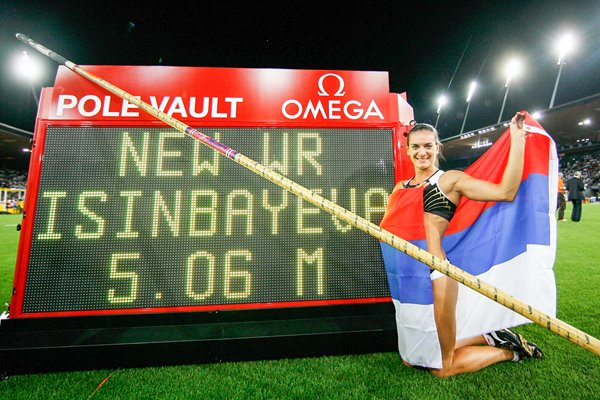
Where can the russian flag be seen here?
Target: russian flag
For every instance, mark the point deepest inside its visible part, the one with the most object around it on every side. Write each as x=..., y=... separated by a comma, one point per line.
x=511, y=246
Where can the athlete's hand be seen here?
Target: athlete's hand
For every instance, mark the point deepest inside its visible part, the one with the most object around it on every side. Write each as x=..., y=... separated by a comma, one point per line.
x=516, y=125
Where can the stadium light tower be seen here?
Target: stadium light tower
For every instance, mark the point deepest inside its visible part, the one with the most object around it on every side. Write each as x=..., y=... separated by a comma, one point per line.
x=442, y=101
x=472, y=88
x=564, y=45
x=512, y=69
x=29, y=70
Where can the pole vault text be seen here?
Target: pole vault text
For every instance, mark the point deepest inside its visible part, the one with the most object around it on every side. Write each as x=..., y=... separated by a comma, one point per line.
x=92, y=105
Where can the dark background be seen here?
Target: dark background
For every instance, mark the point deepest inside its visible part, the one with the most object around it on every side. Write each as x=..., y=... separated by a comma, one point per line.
x=427, y=47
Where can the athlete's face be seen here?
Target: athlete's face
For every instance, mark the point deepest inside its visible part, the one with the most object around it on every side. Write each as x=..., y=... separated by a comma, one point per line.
x=423, y=149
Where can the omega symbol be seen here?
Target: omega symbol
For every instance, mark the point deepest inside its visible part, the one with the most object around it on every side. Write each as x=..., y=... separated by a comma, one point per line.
x=340, y=91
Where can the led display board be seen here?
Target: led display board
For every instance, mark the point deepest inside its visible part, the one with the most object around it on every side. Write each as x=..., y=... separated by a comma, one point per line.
x=148, y=218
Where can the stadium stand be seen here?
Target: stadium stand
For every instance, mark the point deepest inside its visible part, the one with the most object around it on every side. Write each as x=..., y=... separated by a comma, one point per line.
x=13, y=179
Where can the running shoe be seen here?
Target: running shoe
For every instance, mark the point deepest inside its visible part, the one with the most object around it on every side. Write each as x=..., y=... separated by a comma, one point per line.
x=507, y=339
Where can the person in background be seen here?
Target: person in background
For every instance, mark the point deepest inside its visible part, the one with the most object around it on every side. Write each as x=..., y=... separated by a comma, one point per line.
x=575, y=188
x=561, y=204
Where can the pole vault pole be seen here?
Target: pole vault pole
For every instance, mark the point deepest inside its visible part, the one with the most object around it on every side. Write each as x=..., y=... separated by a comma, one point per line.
x=555, y=325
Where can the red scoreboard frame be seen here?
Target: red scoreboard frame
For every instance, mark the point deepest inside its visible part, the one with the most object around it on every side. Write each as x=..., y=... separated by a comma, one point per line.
x=227, y=98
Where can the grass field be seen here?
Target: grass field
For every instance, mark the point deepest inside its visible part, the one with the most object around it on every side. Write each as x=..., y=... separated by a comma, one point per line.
x=566, y=372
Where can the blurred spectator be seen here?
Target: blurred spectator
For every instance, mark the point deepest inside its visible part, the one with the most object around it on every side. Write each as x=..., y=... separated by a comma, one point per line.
x=588, y=164
x=561, y=203
x=575, y=188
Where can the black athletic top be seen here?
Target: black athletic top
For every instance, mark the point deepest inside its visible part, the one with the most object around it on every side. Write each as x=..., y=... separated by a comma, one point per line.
x=434, y=200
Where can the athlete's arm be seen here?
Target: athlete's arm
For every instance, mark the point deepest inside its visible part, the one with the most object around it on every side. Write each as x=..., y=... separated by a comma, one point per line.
x=506, y=190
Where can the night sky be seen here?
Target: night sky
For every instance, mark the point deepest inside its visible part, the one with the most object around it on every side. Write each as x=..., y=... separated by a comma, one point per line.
x=427, y=47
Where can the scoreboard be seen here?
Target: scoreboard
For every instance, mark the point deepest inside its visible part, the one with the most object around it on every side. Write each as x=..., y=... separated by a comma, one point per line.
x=127, y=216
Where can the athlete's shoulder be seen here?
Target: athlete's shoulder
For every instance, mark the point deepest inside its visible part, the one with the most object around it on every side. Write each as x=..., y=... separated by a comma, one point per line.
x=453, y=174
x=449, y=179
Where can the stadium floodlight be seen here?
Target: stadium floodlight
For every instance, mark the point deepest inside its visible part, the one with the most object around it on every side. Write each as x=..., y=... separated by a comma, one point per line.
x=564, y=45
x=27, y=69
x=470, y=94
x=472, y=88
x=441, y=102
x=513, y=68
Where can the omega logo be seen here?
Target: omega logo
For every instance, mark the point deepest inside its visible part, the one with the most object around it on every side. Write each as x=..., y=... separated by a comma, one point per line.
x=340, y=91
x=332, y=109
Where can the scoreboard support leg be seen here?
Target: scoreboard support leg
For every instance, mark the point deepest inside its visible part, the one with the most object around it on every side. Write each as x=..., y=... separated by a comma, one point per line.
x=79, y=343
